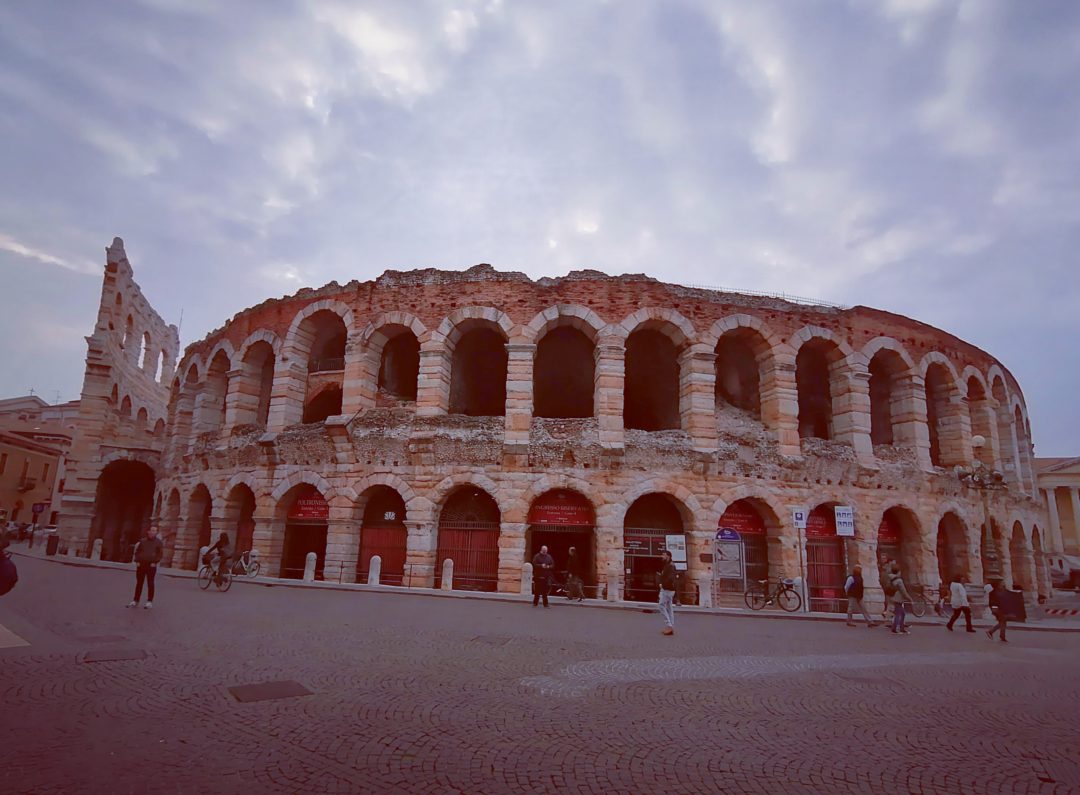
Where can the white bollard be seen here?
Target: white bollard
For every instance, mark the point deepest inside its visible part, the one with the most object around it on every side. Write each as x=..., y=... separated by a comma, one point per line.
x=448, y=575
x=527, y=580
x=96, y=554
x=309, y=567
x=374, y=570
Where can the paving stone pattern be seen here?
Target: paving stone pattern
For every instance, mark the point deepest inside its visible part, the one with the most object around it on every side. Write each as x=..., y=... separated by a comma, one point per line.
x=417, y=694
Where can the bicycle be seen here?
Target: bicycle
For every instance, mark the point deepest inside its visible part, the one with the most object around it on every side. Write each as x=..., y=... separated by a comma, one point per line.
x=209, y=574
x=921, y=603
x=246, y=564
x=759, y=594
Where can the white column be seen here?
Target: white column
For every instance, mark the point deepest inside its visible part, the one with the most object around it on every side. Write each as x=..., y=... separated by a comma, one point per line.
x=1055, y=521
x=1075, y=495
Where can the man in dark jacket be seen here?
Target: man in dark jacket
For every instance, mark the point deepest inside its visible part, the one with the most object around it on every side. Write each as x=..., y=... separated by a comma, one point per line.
x=667, y=594
x=574, y=588
x=543, y=564
x=148, y=554
x=853, y=587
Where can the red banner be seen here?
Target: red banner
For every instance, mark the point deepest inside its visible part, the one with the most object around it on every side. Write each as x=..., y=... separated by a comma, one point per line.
x=742, y=517
x=309, y=506
x=821, y=523
x=888, y=531
x=561, y=507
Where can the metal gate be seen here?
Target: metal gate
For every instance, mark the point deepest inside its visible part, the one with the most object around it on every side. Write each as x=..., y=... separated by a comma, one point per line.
x=474, y=548
x=826, y=566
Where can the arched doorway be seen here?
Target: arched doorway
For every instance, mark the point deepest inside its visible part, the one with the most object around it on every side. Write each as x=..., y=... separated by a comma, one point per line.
x=383, y=533
x=240, y=517
x=564, y=374
x=478, y=372
x=200, y=508
x=898, y=540
x=307, y=515
x=826, y=561
x=646, y=526
x=818, y=384
x=123, y=505
x=748, y=520
x=561, y=519
x=469, y=535
x=651, y=391
x=951, y=548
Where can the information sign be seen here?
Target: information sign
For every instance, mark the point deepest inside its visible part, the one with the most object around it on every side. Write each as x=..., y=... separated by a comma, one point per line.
x=845, y=521
x=676, y=545
x=798, y=518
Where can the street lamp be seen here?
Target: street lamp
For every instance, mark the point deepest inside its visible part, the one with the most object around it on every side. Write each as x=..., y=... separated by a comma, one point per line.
x=985, y=479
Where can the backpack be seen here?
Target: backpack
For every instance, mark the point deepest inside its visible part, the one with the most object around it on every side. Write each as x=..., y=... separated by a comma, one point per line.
x=9, y=575
x=890, y=587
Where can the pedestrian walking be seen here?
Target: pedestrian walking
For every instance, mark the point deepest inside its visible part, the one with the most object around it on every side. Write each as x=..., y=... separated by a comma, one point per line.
x=574, y=584
x=667, y=594
x=899, y=598
x=148, y=554
x=853, y=587
x=999, y=609
x=959, y=599
x=543, y=564
x=885, y=567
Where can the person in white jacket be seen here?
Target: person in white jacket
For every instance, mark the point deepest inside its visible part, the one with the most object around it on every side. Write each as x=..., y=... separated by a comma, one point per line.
x=958, y=598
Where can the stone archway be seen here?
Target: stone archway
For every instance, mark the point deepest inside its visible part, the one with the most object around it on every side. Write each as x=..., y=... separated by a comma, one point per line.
x=123, y=506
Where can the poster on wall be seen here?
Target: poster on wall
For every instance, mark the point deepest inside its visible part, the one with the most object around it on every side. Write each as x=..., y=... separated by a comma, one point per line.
x=728, y=557
x=845, y=521
x=676, y=545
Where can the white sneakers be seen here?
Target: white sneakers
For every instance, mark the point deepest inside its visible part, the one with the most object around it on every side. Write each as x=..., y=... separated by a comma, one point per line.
x=148, y=605
x=133, y=604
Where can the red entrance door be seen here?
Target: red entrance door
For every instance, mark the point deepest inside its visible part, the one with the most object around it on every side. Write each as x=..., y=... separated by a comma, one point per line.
x=388, y=542
x=474, y=548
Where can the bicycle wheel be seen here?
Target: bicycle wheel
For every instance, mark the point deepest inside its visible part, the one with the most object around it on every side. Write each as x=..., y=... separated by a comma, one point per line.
x=224, y=582
x=789, y=600
x=253, y=569
x=755, y=597
x=204, y=577
x=918, y=606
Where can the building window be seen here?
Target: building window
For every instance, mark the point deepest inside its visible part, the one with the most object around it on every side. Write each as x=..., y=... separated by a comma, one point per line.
x=45, y=471
x=3, y=462
x=25, y=469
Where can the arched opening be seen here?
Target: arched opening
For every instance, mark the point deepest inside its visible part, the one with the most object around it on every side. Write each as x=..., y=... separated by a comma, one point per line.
x=212, y=399
x=815, y=366
x=399, y=365
x=123, y=506
x=325, y=335
x=941, y=419
x=951, y=548
x=886, y=370
x=651, y=390
x=1004, y=432
x=114, y=396
x=469, y=535
x=307, y=516
x=240, y=517
x=980, y=419
x=163, y=363
x=738, y=371
x=146, y=360
x=129, y=334
x=646, y=526
x=257, y=372
x=142, y=421
x=899, y=540
x=159, y=428
x=563, y=376
x=185, y=409
x=200, y=509
x=325, y=403
x=125, y=408
x=561, y=519
x=383, y=533
x=826, y=561
x=756, y=526
x=1021, y=561
x=478, y=373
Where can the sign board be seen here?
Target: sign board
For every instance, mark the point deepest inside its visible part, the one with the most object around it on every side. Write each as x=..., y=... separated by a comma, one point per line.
x=889, y=530
x=845, y=521
x=676, y=545
x=798, y=518
x=728, y=560
x=743, y=518
x=309, y=506
x=39, y=507
x=561, y=507
x=727, y=534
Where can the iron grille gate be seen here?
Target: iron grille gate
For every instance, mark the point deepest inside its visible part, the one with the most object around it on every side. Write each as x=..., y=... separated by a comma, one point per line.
x=474, y=548
x=826, y=565
x=389, y=543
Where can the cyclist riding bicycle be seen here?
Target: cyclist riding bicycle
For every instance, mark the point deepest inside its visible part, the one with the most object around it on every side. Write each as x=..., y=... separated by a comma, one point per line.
x=219, y=562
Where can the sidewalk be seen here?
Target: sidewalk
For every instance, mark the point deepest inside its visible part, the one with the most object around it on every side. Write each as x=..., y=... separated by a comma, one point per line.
x=38, y=553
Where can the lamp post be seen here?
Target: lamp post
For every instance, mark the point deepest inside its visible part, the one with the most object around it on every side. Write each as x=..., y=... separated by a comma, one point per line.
x=985, y=479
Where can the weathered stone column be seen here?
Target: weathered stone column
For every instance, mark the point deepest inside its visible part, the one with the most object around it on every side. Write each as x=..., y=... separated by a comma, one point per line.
x=268, y=537
x=420, y=554
x=1056, y=536
x=359, y=382
x=433, y=382
x=342, y=541
x=608, y=393
x=287, y=396
x=697, y=396
x=910, y=424
x=519, y=398
x=851, y=408
x=780, y=402
x=610, y=569
x=955, y=436
x=241, y=399
x=511, y=556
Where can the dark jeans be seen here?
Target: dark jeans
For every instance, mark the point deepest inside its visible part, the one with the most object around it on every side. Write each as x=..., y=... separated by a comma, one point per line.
x=956, y=614
x=541, y=588
x=898, y=617
x=145, y=571
x=1001, y=623
x=574, y=588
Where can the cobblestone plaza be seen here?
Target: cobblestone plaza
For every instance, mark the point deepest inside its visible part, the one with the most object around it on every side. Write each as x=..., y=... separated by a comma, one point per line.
x=424, y=694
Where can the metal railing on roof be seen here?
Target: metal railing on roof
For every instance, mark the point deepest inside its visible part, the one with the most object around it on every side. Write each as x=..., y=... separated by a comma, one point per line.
x=793, y=299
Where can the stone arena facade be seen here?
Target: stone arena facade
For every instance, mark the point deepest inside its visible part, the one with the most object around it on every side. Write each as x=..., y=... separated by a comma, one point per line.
x=474, y=415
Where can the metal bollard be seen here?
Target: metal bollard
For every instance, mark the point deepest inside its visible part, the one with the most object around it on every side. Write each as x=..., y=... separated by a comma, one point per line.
x=96, y=554
x=309, y=567
x=374, y=570
x=527, y=580
x=448, y=575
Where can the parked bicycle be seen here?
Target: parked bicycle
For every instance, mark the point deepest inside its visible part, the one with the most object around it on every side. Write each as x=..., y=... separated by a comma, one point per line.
x=247, y=564
x=922, y=603
x=209, y=573
x=781, y=592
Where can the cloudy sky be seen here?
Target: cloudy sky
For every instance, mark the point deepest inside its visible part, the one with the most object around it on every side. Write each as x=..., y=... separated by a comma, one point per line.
x=920, y=156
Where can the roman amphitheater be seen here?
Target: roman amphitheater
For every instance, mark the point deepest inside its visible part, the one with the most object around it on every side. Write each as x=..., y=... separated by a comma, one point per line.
x=473, y=416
